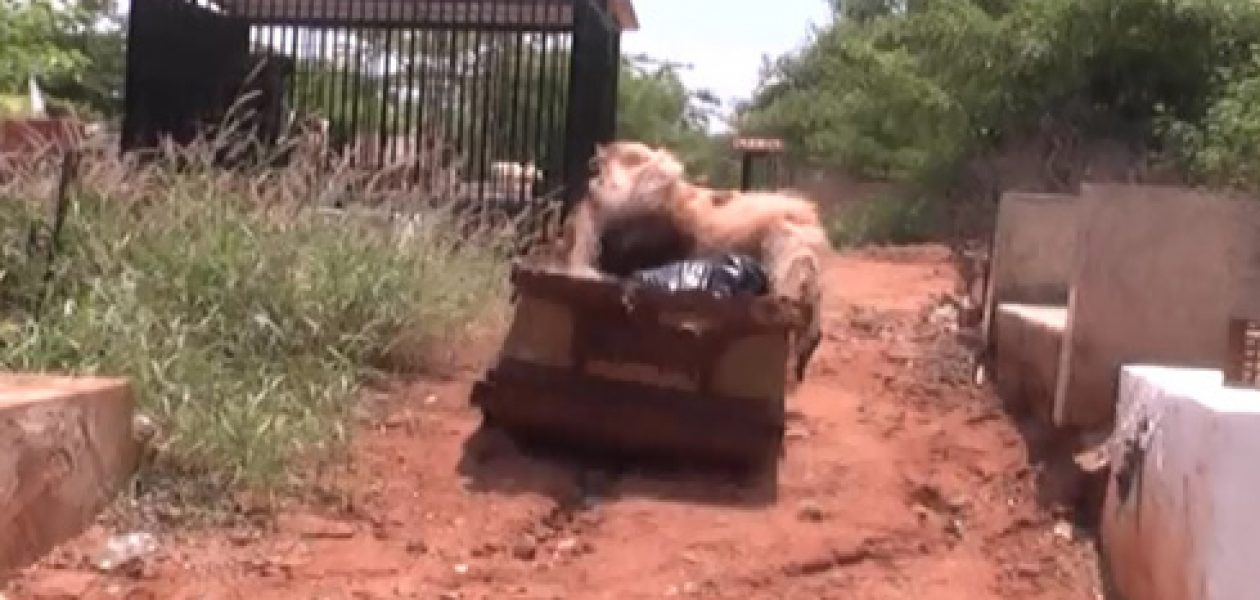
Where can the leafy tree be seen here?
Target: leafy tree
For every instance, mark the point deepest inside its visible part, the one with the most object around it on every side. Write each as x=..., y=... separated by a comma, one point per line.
x=907, y=90
x=74, y=48
x=656, y=107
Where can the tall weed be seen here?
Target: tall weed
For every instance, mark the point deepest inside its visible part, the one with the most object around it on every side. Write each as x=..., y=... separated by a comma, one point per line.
x=245, y=315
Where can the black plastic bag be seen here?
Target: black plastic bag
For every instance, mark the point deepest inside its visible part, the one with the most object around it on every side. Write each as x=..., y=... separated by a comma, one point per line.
x=724, y=277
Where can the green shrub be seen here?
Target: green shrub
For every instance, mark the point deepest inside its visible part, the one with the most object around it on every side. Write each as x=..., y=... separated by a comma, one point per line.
x=246, y=322
x=899, y=219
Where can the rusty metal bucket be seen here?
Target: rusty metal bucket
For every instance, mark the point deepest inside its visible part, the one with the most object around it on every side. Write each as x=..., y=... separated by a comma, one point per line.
x=631, y=371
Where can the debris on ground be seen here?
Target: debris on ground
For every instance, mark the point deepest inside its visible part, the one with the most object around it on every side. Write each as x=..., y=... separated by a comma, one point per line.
x=125, y=551
x=902, y=478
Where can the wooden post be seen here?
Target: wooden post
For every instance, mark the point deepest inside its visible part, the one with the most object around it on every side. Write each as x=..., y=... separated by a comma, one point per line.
x=754, y=148
x=745, y=172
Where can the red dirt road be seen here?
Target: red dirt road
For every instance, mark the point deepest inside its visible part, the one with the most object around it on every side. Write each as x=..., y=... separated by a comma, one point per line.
x=900, y=480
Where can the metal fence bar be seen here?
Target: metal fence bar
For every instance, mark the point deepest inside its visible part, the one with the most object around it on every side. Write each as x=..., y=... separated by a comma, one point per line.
x=488, y=80
x=459, y=93
x=489, y=48
x=320, y=76
x=357, y=92
x=525, y=89
x=476, y=148
x=538, y=77
x=422, y=131
x=544, y=93
x=341, y=93
x=409, y=102
x=514, y=110
x=556, y=107
x=611, y=73
x=386, y=142
x=291, y=92
x=583, y=61
x=448, y=83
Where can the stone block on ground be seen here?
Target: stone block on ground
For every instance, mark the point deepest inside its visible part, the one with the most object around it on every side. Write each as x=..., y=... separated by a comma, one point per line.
x=1180, y=519
x=66, y=447
x=1028, y=342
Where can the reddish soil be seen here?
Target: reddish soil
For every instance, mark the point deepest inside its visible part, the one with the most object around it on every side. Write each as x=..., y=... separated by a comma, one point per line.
x=901, y=480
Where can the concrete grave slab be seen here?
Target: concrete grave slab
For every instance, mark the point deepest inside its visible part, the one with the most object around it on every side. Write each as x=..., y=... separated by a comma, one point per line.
x=66, y=447
x=1180, y=521
x=1033, y=252
x=1155, y=279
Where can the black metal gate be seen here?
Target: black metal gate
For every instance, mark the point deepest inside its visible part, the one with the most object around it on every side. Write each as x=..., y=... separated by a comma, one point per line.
x=503, y=90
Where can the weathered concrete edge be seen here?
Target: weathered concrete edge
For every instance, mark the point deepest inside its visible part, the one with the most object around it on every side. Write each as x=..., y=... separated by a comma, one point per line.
x=58, y=486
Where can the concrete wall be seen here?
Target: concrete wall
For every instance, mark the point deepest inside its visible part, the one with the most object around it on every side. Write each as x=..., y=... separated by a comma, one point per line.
x=1027, y=342
x=1245, y=256
x=1033, y=252
x=1179, y=521
x=66, y=446
x=1154, y=280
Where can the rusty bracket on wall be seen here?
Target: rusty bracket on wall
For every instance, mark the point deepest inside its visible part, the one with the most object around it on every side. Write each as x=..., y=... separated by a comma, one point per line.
x=1242, y=363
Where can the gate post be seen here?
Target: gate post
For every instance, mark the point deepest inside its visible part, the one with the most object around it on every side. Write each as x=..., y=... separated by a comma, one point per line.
x=592, y=112
x=767, y=150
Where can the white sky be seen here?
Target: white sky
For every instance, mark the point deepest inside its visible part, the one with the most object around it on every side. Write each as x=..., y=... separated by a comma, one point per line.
x=724, y=39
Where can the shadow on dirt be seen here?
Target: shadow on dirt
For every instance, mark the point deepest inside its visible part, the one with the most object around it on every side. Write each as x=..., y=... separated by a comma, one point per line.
x=495, y=462
x=1062, y=485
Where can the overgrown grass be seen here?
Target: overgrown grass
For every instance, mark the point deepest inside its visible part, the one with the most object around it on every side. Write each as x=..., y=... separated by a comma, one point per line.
x=245, y=317
x=893, y=219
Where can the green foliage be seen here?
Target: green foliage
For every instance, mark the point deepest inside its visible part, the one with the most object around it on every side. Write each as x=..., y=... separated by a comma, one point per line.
x=656, y=107
x=246, y=322
x=74, y=48
x=13, y=105
x=907, y=90
x=895, y=219
x=31, y=31
x=1224, y=148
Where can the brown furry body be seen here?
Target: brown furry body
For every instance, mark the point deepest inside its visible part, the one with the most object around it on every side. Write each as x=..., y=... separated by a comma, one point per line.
x=633, y=180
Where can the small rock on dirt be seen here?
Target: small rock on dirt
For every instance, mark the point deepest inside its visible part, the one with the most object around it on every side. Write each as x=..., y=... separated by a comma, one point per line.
x=796, y=434
x=811, y=512
x=417, y=546
x=65, y=585
x=125, y=552
x=319, y=528
x=1028, y=570
x=525, y=550
x=1064, y=531
x=568, y=546
x=812, y=566
x=240, y=537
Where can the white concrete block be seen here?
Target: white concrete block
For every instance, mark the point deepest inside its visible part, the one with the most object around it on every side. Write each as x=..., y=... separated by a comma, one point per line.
x=1182, y=515
x=1028, y=339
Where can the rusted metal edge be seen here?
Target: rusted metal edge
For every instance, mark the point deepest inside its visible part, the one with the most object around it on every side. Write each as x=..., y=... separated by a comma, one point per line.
x=615, y=417
x=758, y=144
x=762, y=313
x=1242, y=365
x=595, y=387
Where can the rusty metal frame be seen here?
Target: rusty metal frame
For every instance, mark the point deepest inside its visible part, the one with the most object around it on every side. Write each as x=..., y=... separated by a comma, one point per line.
x=524, y=81
x=615, y=323
x=1242, y=367
x=753, y=149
